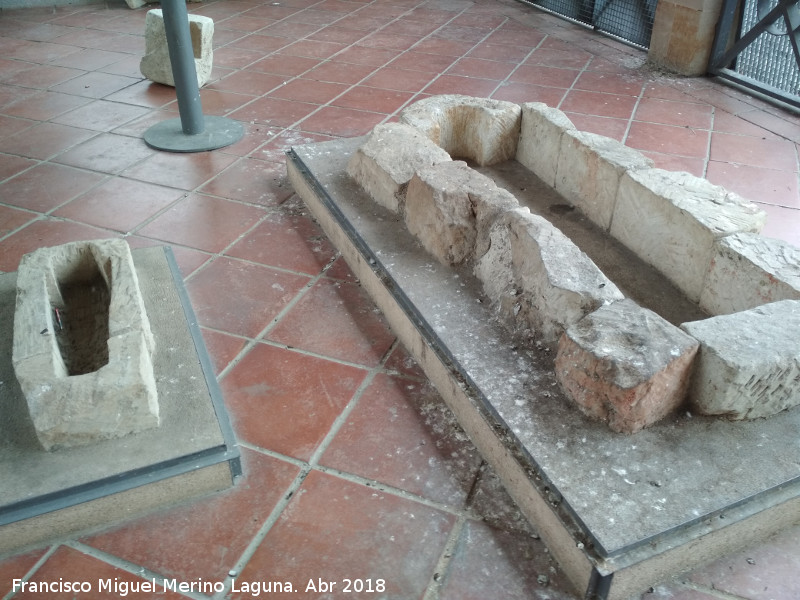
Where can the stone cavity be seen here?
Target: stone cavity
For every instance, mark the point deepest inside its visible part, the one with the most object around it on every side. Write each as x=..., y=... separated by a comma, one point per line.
x=450, y=208
x=156, y=64
x=477, y=129
x=672, y=220
x=589, y=170
x=552, y=297
x=749, y=362
x=749, y=270
x=82, y=345
x=625, y=365
x=387, y=161
x=541, y=130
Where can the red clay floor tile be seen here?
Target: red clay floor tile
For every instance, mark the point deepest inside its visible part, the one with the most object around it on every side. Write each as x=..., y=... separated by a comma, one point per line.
x=668, y=139
x=254, y=295
x=285, y=401
x=338, y=320
x=252, y=180
x=186, y=171
x=372, y=539
x=44, y=140
x=46, y=186
x=106, y=152
x=402, y=434
x=342, y=122
x=17, y=567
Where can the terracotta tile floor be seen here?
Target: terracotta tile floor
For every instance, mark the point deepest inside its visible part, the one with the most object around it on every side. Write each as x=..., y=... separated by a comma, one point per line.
x=354, y=469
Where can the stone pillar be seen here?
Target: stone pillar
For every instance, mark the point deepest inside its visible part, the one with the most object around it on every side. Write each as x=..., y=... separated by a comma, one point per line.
x=683, y=33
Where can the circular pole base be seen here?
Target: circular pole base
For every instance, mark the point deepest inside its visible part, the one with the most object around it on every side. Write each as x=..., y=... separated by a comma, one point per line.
x=168, y=135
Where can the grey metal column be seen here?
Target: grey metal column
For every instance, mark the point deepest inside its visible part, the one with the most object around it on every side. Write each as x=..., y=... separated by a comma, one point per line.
x=192, y=132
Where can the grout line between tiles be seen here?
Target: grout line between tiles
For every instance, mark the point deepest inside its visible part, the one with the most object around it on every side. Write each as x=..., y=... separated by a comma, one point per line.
x=32, y=571
x=439, y=577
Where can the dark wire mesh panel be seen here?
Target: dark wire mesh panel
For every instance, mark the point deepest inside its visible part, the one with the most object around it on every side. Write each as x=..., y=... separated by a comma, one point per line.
x=628, y=20
x=769, y=59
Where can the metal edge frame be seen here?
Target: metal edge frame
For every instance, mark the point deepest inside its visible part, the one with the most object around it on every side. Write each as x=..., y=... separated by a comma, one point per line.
x=228, y=451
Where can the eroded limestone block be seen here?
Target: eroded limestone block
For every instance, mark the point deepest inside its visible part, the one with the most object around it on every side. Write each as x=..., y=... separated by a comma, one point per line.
x=749, y=362
x=82, y=344
x=479, y=129
x=749, y=270
x=385, y=163
x=450, y=209
x=590, y=167
x=558, y=283
x=156, y=65
x=672, y=219
x=625, y=365
x=540, y=139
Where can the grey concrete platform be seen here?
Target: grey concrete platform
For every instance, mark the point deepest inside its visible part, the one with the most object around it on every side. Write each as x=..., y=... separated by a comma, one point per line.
x=619, y=512
x=46, y=495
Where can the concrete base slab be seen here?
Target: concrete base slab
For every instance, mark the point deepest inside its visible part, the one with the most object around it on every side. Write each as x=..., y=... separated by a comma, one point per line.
x=47, y=495
x=620, y=513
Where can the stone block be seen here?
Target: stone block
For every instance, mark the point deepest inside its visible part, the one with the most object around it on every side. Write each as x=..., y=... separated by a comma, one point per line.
x=82, y=344
x=672, y=220
x=590, y=167
x=558, y=283
x=749, y=270
x=450, y=209
x=385, y=163
x=478, y=129
x=748, y=366
x=156, y=64
x=540, y=139
x=625, y=365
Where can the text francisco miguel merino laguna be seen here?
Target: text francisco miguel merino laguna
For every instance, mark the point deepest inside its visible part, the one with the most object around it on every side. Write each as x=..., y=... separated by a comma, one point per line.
x=122, y=588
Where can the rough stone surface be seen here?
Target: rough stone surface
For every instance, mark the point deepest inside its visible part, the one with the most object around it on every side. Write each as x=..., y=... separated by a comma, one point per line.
x=485, y=131
x=156, y=65
x=749, y=362
x=672, y=219
x=86, y=370
x=749, y=270
x=558, y=283
x=388, y=159
x=590, y=167
x=450, y=209
x=540, y=139
x=625, y=365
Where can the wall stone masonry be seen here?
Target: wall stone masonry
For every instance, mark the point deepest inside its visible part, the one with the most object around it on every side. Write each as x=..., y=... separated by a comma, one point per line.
x=749, y=270
x=749, y=362
x=698, y=235
x=156, y=64
x=450, y=208
x=672, y=220
x=589, y=170
x=387, y=161
x=478, y=129
x=625, y=365
x=82, y=344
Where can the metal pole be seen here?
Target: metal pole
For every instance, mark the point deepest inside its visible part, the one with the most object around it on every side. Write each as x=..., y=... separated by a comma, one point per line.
x=181, y=55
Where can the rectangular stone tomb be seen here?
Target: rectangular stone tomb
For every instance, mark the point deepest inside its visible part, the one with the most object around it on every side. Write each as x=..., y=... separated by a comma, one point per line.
x=619, y=512
x=113, y=408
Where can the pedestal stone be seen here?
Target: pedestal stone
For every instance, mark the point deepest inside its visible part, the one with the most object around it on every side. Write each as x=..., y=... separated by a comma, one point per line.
x=156, y=64
x=82, y=344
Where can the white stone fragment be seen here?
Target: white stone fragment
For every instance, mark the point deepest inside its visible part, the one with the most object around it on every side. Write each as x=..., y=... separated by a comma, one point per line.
x=590, y=167
x=485, y=131
x=559, y=284
x=749, y=270
x=385, y=163
x=749, y=362
x=82, y=344
x=625, y=365
x=450, y=209
x=156, y=64
x=540, y=139
x=672, y=219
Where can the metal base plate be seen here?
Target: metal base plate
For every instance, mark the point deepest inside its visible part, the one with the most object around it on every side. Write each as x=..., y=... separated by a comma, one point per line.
x=168, y=135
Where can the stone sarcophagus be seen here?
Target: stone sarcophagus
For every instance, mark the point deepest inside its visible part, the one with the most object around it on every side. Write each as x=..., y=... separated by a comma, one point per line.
x=82, y=344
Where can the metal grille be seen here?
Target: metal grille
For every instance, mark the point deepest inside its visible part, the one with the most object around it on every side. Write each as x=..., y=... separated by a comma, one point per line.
x=764, y=54
x=628, y=20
